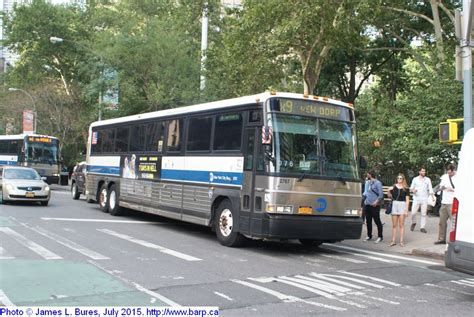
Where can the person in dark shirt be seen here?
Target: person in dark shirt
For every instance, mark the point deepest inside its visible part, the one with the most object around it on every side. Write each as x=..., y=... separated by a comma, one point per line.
x=373, y=200
x=400, y=194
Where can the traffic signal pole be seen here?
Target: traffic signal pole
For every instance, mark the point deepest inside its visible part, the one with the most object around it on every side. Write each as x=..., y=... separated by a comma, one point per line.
x=466, y=51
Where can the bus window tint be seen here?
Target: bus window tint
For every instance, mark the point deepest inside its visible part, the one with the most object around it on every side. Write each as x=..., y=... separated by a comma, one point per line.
x=121, y=142
x=13, y=148
x=199, y=134
x=137, y=138
x=228, y=132
x=96, y=142
x=4, y=147
x=175, y=132
x=108, y=140
x=155, y=133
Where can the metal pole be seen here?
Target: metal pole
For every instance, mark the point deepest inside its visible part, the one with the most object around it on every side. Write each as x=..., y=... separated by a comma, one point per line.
x=205, y=22
x=467, y=64
x=32, y=102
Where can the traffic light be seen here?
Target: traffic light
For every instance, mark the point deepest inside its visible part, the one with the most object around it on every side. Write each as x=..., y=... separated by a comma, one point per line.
x=449, y=131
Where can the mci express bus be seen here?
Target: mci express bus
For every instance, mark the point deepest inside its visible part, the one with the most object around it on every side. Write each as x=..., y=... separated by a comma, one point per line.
x=40, y=152
x=273, y=166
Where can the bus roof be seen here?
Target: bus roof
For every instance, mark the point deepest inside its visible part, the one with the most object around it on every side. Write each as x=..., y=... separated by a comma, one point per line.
x=221, y=104
x=22, y=136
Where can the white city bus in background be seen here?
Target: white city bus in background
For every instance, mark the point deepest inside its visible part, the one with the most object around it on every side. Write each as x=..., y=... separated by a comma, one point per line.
x=210, y=164
x=40, y=152
x=460, y=251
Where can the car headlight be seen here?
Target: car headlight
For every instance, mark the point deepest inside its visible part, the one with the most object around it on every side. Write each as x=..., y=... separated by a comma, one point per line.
x=10, y=187
x=46, y=188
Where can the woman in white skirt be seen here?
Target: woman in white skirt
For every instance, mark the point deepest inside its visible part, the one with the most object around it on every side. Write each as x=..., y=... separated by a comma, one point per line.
x=400, y=194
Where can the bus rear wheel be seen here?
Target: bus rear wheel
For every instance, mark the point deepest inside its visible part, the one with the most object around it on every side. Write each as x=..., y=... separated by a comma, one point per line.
x=310, y=242
x=75, y=191
x=103, y=198
x=226, y=226
x=113, y=202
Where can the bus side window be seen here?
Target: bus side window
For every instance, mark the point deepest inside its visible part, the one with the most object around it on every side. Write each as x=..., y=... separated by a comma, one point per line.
x=108, y=140
x=155, y=133
x=249, y=149
x=175, y=135
x=122, y=140
x=228, y=132
x=137, y=138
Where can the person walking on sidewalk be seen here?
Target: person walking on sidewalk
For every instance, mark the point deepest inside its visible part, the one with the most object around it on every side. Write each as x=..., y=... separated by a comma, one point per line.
x=373, y=200
x=447, y=187
x=400, y=194
x=421, y=188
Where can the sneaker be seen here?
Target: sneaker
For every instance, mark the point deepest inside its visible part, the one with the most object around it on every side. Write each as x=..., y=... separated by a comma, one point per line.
x=423, y=230
x=378, y=240
x=412, y=226
x=440, y=242
x=367, y=239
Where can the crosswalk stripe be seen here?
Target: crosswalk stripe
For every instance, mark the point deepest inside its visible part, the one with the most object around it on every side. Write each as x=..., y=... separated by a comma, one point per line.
x=324, y=284
x=68, y=243
x=286, y=298
x=150, y=245
x=4, y=300
x=324, y=277
x=43, y=252
x=354, y=280
x=463, y=283
x=343, y=258
x=372, y=278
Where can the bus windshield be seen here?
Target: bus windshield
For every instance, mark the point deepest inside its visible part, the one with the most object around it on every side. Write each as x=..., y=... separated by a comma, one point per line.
x=45, y=151
x=312, y=146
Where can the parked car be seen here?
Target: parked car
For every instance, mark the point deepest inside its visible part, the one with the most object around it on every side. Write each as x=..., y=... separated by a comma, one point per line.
x=23, y=184
x=78, y=180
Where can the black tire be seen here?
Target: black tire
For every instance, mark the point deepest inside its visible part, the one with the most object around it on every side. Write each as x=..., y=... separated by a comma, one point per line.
x=103, y=198
x=75, y=191
x=44, y=203
x=226, y=225
x=310, y=242
x=113, y=202
x=90, y=201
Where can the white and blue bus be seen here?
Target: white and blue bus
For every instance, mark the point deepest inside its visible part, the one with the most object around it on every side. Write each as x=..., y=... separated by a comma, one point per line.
x=40, y=152
x=268, y=166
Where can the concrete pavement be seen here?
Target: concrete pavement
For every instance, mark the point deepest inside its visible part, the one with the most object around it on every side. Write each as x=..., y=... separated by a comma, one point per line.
x=416, y=242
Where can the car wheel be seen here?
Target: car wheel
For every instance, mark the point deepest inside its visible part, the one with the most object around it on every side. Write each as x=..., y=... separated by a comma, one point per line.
x=75, y=191
x=226, y=225
x=44, y=203
x=113, y=202
x=103, y=198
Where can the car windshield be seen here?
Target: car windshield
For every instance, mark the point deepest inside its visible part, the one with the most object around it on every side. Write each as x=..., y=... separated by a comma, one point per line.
x=20, y=174
x=314, y=146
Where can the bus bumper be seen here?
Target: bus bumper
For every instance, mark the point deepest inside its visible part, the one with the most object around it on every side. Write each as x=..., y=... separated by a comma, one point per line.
x=460, y=257
x=311, y=227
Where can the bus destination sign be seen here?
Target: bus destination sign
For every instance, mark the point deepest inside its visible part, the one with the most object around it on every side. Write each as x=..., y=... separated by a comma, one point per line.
x=310, y=108
x=40, y=139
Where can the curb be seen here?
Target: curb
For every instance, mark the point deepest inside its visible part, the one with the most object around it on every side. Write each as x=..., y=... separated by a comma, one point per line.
x=428, y=253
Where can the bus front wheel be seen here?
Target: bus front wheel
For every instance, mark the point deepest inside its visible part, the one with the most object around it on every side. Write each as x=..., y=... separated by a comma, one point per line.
x=103, y=198
x=75, y=191
x=113, y=202
x=225, y=225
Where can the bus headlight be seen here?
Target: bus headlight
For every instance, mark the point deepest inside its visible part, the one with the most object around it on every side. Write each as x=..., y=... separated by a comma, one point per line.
x=280, y=209
x=353, y=212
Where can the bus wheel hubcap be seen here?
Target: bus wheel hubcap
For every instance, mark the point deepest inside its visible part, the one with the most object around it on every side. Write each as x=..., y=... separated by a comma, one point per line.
x=103, y=197
x=226, y=222
x=112, y=200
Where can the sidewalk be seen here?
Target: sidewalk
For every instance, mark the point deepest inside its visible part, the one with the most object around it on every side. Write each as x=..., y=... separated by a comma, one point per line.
x=416, y=242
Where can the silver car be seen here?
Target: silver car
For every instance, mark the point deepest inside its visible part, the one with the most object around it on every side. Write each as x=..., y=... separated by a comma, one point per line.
x=23, y=184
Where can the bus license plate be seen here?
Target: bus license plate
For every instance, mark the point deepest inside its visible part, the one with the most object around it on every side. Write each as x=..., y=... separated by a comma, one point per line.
x=30, y=195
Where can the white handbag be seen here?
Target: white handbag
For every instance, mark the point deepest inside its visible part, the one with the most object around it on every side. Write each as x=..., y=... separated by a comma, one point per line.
x=431, y=200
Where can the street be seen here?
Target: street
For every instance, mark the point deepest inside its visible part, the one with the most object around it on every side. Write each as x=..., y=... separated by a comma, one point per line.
x=72, y=254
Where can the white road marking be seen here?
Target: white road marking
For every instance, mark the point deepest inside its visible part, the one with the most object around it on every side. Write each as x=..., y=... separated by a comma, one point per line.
x=372, y=278
x=43, y=252
x=153, y=294
x=224, y=296
x=286, y=298
x=399, y=257
x=464, y=283
x=469, y=281
x=343, y=258
x=150, y=245
x=352, y=279
x=369, y=257
x=99, y=220
x=324, y=277
x=4, y=256
x=323, y=284
x=450, y=289
x=68, y=243
x=4, y=300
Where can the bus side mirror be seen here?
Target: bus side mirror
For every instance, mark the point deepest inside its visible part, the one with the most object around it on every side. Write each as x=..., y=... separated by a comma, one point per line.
x=267, y=136
x=362, y=162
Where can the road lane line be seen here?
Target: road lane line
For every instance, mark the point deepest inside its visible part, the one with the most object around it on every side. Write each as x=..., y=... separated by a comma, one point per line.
x=399, y=257
x=68, y=243
x=140, y=288
x=4, y=300
x=150, y=245
x=372, y=278
x=286, y=298
x=342, y=258
x=43, y=252
x=100, y=220
x=224, y=296
x=463, y=283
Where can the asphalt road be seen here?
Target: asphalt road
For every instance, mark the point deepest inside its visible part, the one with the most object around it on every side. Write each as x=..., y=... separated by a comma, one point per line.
x=72, y=254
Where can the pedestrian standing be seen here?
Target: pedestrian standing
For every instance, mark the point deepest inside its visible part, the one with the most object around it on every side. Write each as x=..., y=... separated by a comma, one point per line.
x=447, y=187
x=372, y=204
x=400, y=194
x=421, y=188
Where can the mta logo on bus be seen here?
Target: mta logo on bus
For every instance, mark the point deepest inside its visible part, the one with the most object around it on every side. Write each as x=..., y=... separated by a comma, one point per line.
x=321, y=204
